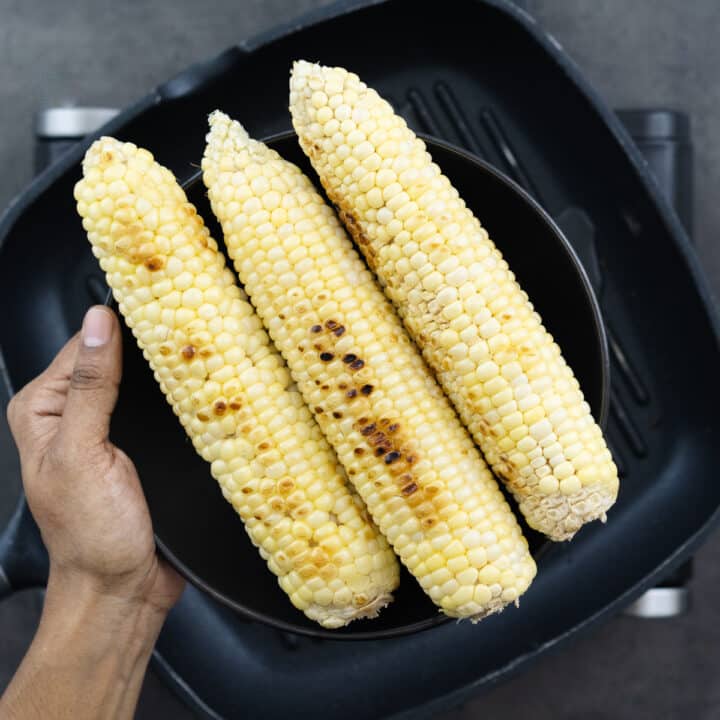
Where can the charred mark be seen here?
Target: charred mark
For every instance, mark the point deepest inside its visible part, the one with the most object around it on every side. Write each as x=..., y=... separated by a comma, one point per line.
x=342, y=385
x=409, y=489
x=331, y=324
x=359, y=451
x=392, y=457
x=337, y=414
x=393, y=428
x=188, y=352
x=220, y=407
x=326, y=356
x=349, y=358
x=357, y=364
x=352, y=393
x=316, y=328
x=368, y=429
x=366, y=389
x=338, y=331
x=319, y=410
x=155, y=263
x=378, y=438
x=379, y=451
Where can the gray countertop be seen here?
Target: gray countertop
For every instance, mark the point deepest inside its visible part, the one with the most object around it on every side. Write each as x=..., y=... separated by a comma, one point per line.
x=639, y=54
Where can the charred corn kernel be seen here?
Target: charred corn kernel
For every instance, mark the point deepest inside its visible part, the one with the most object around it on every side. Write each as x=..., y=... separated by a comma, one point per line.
x=401, y=444
x=445, y=276
x=230, y=388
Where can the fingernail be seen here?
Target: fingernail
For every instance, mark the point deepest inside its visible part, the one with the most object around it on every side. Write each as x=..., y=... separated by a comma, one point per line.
x=96, y=327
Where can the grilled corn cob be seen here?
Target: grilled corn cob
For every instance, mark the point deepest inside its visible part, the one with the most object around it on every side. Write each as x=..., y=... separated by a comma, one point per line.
x=459, y=301
x=399, y=439
x=229, y=387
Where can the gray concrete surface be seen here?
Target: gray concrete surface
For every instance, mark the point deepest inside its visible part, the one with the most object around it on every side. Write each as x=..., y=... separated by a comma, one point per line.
x=658, y=52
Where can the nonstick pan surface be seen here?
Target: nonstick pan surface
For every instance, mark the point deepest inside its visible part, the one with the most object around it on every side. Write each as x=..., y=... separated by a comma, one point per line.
x=199, y=532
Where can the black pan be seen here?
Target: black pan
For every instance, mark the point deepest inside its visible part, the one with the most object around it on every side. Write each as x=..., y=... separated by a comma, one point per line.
x=195, y=528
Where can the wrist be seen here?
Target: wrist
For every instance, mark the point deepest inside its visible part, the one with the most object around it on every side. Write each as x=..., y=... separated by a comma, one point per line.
x=78, y=610
x=89, y=656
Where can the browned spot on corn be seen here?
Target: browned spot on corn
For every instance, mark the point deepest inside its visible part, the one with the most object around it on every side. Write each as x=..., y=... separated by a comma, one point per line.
x=286, y=485
x=352, y=393
x=220, y=407
x=337, y=414
x=155, y=263
x=366, y=389
x=409, y=489
x=188, y=352
x=202, y=416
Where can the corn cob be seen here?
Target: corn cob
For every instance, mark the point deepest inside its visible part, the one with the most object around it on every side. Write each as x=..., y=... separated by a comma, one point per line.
x=229, y=387
x=399, y=439
x=459, y=301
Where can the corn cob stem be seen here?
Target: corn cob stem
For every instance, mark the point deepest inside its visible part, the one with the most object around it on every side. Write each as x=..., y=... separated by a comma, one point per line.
x=229, y=388
x=459, y=301
x=402, y=445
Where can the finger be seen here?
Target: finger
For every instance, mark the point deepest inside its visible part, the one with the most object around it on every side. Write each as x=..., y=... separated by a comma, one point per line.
x=42, y=397
x=94, y=380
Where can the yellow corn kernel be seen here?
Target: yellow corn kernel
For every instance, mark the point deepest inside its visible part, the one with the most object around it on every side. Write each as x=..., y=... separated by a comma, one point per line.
x=459, y=278
x=228, y=386
x=401, y=444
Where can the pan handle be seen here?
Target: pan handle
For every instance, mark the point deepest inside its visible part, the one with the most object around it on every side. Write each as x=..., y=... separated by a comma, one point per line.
x=23, y=557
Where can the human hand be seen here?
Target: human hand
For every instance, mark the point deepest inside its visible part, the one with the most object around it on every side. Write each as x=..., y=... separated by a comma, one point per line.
x=82, y=490
x=108, y=592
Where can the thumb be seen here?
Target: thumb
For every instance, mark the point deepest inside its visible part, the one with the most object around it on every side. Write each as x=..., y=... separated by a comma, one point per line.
x=95, y=379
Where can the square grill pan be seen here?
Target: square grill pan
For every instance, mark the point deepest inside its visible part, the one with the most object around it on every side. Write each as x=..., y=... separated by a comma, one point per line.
x=481, y=75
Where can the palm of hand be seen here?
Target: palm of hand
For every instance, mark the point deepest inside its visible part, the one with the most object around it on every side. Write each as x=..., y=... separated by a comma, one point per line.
x=83, y=491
